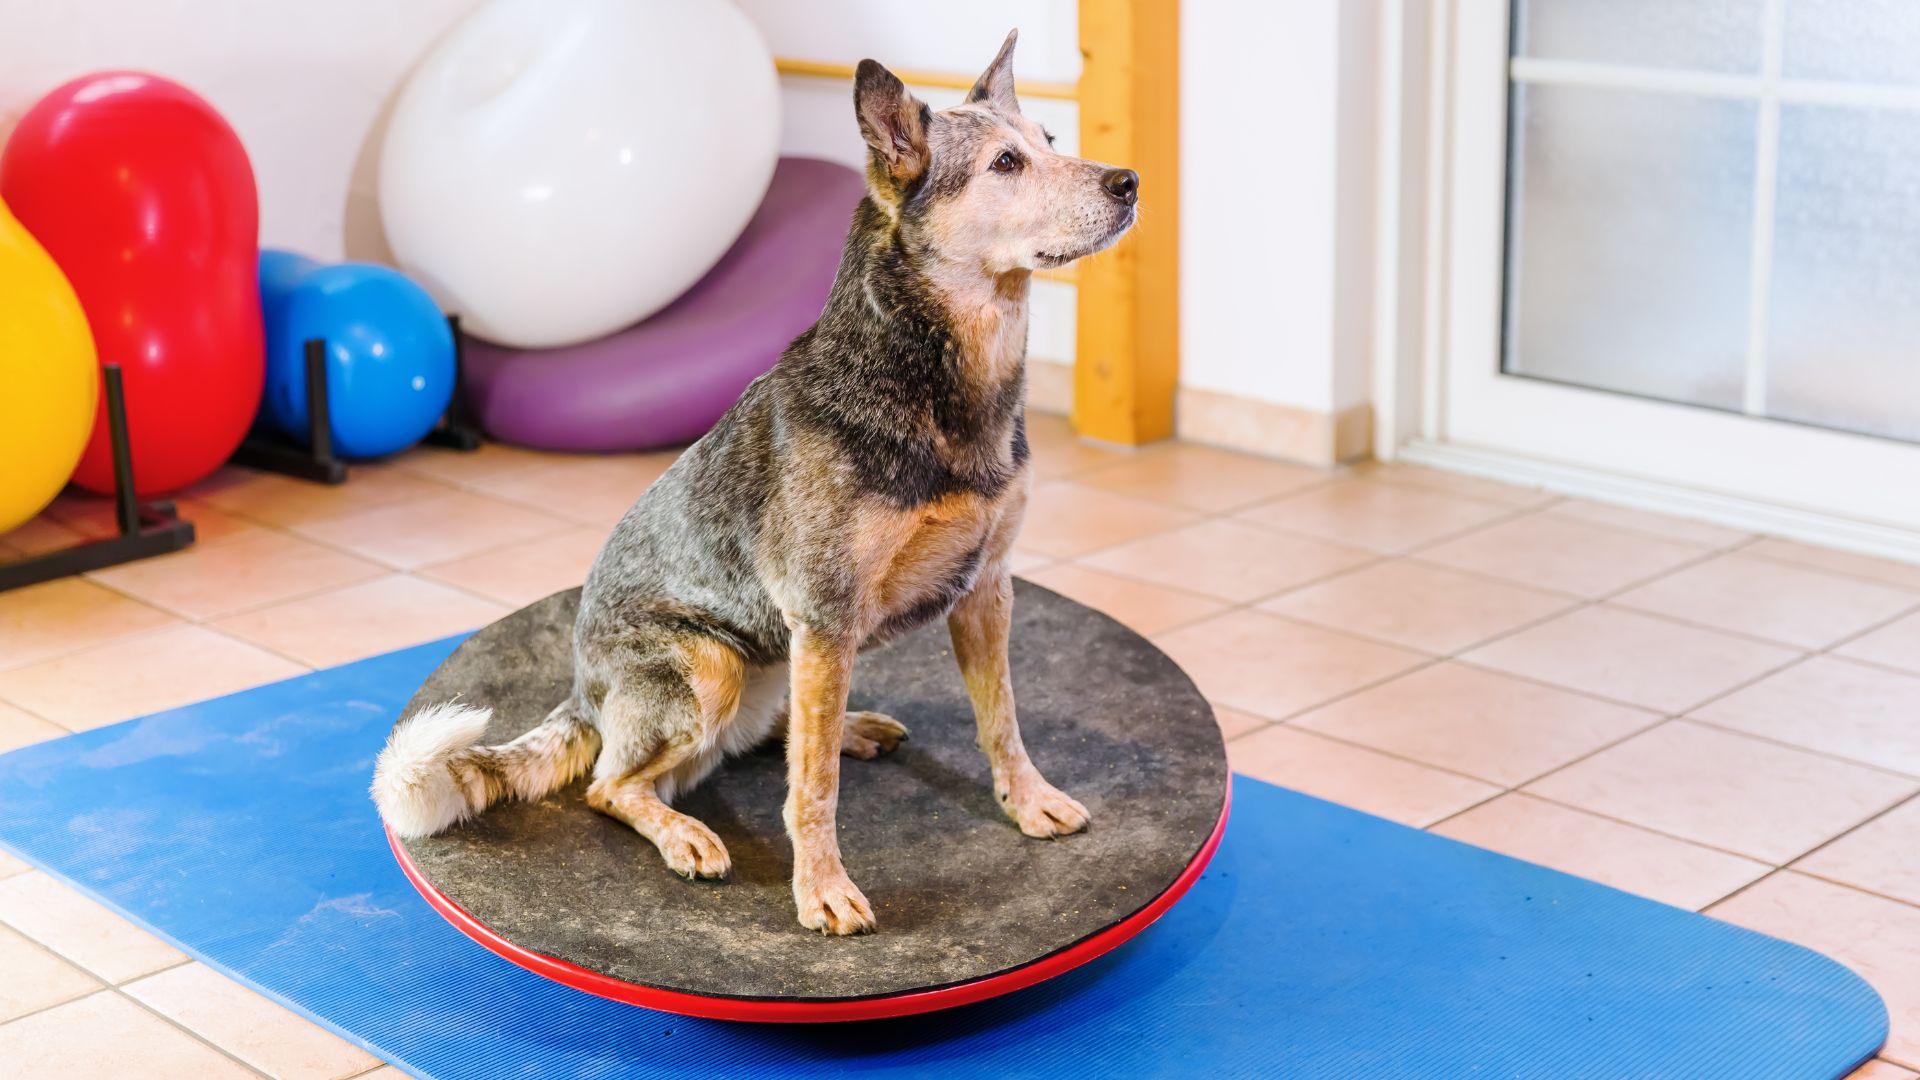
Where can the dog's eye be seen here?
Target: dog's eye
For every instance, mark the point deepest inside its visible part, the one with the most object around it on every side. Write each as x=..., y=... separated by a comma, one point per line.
x=1005, y=163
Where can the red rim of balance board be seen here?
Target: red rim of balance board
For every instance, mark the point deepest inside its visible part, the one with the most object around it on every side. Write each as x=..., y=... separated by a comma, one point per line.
x=819, y=1010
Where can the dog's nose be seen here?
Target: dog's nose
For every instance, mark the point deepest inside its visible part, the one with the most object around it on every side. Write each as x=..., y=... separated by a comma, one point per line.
x=1122, y=184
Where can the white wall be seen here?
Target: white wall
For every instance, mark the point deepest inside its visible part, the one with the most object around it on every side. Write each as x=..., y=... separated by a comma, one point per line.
x=1276, y=199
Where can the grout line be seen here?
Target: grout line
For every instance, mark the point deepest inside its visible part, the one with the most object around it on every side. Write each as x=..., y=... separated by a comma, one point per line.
x=189, y=1032
x=1848, y=885
x=1768, y=876
x=1830, y=841
x=1828, y=571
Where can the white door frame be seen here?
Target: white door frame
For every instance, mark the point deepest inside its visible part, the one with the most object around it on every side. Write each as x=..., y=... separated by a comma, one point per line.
x=1852, y=491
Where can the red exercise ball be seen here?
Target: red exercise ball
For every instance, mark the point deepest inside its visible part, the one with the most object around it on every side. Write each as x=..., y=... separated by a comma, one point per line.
x=143, y=195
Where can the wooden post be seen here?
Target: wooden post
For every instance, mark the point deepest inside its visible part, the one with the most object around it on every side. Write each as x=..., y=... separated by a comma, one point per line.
x=1127, y=352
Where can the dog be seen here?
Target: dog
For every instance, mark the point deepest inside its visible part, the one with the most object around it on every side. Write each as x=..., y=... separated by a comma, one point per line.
x=872, y=481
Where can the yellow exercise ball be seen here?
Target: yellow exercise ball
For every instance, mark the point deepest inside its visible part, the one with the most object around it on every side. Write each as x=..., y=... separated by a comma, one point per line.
x=49, y=378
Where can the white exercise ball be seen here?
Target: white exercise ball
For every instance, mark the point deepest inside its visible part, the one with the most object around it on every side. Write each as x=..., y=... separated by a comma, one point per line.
x=556, y=170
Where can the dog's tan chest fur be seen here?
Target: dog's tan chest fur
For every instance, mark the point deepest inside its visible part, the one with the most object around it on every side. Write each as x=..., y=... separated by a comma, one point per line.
x=915, y=555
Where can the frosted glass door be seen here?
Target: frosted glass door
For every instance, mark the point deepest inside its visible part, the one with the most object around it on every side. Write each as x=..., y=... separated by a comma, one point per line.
x=1717, y=202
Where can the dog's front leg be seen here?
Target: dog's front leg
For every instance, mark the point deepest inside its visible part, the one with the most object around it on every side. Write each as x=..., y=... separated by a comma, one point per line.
x=979, y=625
x=821, y=665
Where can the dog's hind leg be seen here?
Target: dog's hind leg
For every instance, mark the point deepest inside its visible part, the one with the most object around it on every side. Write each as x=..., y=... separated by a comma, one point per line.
x=654, y=723
x=688, y=846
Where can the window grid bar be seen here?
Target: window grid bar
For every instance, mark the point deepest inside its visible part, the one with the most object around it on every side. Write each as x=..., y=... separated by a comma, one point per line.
x=1766, y=174
x=1709, y=84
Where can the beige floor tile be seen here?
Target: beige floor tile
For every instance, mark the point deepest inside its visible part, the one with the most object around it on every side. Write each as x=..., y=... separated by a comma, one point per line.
x=1885, y=571
x=1066, y=519
x=1452, y=483
x=1630, y=859
x=1638, y=659
x=1739, y=593
x=41, y=534
x=105, y=1035
x=1454, y=717
x=11, y=865
x=1201, y=477
x=259, y=1032
x=1896, y=644
x=1147, y=609
x=1228, y=560
x=1381, y=785
x=20, y=728
x=519, y=574
x=212, y=525
x=282, y=501
x=1372, y=515
x=1877, y=938
x=1058, y=452
x=1273, y=668
x=1234, y=723
x=1882, y=856
x=1713, y=787
x=31, y=978
x=362, y=620
x=80, y=929
x=434, y=530
x=591, y=490
x=1685, y=530
x=1562, y=554
x=464, y=468
x=1882, y=1069
x=65, y=616
x=94, y=516
x=1429, y=608
x=132, y=677
x=1851, y=710
x=260, y=567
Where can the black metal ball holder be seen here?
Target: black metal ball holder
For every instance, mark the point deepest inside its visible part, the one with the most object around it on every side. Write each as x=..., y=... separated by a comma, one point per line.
x=145, y=528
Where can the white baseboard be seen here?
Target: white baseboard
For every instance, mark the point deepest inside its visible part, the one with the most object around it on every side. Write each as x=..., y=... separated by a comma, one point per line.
x=1773, y=519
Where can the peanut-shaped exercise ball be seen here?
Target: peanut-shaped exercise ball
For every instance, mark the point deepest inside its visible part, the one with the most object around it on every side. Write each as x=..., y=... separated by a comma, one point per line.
x=144, y=197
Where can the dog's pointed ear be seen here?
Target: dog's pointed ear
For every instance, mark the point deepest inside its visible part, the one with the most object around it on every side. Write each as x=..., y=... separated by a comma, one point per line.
x=995, y=85
x=893, y=122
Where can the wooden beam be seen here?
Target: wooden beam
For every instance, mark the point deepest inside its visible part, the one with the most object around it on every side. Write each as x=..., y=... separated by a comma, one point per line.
x=1127, y=353
x=821, y=69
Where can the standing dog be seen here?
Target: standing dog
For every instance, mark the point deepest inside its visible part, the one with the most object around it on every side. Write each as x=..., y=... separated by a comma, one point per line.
x=873, y=481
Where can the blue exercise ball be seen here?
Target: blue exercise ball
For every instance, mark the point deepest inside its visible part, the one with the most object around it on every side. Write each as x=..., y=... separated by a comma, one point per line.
x=390, y=367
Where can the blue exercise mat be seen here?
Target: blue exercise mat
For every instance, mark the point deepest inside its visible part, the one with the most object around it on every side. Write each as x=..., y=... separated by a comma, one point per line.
x=1321, y=942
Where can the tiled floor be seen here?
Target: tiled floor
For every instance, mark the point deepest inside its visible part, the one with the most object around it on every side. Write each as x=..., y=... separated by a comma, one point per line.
x=1719, y=721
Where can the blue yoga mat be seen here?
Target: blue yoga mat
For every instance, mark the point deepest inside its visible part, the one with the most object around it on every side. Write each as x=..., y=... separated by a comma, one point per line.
x=1321, y=942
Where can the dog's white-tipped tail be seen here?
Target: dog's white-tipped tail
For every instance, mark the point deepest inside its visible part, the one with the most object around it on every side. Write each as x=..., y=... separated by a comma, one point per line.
x=431, y=776
x=414, y=781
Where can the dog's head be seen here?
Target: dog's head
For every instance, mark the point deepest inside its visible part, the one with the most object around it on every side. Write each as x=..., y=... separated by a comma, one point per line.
x=979, y=184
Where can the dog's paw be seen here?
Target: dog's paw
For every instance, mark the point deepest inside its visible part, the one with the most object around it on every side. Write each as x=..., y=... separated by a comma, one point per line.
x=833, y=905
x=691, y=850
x=867, y=735
x=1041, y=810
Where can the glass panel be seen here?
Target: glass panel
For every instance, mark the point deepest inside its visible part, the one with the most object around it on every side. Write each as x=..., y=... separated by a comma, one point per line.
x=1844, y=334
x=1629, y=217
x=1699, y=35
x=1876, y=41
